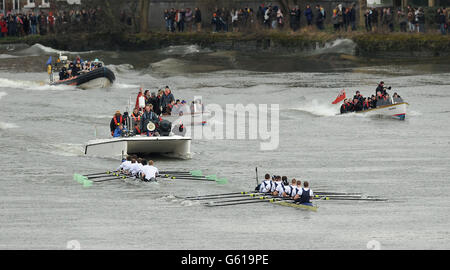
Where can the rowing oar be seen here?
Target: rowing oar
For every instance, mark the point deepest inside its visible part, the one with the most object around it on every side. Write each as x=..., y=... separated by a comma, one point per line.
x=94, y=174
x=250, y=198
x=355, y=199
x=335, y=193
x=225, y=197
x=192, y=173
x=222, y=194
x=208, y=178
x=247, y=200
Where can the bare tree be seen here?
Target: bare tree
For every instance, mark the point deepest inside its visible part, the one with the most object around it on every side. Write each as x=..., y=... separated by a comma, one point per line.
x=144, y=6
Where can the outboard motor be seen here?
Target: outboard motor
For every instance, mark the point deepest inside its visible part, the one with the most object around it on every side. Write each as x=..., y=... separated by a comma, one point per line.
x=165, y=127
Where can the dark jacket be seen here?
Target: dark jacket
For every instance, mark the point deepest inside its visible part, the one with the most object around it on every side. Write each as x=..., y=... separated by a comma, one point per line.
x=112, y=124
x=148, y=117
x=166, y=100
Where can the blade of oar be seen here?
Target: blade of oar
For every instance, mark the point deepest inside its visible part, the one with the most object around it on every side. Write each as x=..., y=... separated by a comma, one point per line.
x=250, y=198
x=196, y=173
x=79, y=178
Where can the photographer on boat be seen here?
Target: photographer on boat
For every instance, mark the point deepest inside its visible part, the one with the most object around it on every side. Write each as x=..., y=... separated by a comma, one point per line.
x=120, y=131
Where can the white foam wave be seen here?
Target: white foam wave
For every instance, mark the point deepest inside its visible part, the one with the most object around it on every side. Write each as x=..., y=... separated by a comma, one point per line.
x=184, y=50
x=340, y=46
x=125, y=85
x=7, y=125
x=320, y=109
x=7, y=56
x=2, y=94
x=39, y=49
x=120, y=68
x=32, y=85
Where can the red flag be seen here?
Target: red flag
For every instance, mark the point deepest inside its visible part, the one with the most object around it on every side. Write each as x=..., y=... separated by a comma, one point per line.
x=340, y=97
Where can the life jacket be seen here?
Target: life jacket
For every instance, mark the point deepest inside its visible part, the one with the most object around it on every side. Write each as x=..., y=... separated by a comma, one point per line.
x=136, y=118
x=115, y=120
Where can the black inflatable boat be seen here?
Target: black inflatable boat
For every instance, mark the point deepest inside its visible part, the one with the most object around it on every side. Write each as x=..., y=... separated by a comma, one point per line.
x=97, y=78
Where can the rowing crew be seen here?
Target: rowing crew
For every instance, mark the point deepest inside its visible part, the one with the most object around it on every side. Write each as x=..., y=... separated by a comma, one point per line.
x=279, y=186
x=139, y=168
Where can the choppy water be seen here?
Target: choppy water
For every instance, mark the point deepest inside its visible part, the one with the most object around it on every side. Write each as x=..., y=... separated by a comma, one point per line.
x=43, y=131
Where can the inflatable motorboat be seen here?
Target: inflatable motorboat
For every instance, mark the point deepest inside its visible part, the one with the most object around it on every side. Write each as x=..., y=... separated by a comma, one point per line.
x=96, y=75
x=97, y=78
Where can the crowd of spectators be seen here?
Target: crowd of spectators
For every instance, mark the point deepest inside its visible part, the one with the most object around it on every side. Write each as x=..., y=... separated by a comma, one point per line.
x=42, y=23
x=341, y=18
x=409, y=20
x=245, y=19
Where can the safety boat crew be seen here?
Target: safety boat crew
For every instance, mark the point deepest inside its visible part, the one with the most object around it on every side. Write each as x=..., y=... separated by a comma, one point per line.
x=81, y=73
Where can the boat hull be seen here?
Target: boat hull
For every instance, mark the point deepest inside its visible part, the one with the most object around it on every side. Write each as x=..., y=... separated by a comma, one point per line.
x=396, y=111
x=98, y=78
x=171, y=146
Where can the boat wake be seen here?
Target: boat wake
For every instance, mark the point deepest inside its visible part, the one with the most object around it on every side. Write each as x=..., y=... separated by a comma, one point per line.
x=66, y=149
x=317, y=108
x=4, y=126
x=32, y=85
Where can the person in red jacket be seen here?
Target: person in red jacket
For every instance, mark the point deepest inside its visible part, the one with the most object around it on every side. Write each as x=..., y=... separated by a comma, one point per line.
x=3, y=28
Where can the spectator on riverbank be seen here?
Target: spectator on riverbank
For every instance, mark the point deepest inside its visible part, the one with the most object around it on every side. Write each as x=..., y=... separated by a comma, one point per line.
x=188, y=19
x=442, y=21
x=320, y=17
x=309, y=16
x=3, y=27
x=198, y=19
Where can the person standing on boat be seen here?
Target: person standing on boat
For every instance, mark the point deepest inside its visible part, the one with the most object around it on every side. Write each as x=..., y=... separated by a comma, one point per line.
x=305, y=196
x=358, y=96
x=149, y=172
x=115, y=121
x=381, y=89
x=166, y=99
